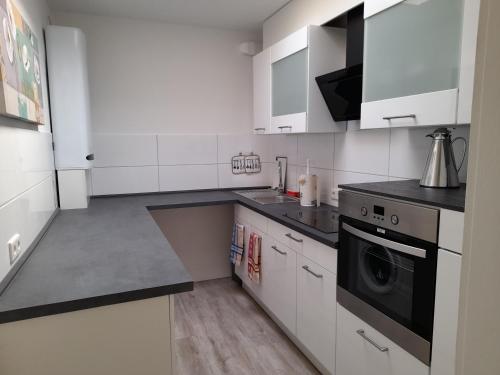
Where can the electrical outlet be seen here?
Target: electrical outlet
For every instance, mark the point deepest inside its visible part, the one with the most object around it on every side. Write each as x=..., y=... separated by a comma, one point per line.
x=335, y=194
x=14, y=247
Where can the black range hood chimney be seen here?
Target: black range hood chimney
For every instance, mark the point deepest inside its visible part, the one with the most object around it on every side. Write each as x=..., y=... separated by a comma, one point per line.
x=355, y=36
x=342, y=89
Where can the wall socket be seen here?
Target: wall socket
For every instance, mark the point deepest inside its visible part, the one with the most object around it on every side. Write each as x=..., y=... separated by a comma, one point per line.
x=14, y=247
x=335, y=194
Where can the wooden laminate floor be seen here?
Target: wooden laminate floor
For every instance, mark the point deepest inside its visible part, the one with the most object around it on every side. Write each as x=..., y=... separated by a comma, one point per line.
x=219, y=329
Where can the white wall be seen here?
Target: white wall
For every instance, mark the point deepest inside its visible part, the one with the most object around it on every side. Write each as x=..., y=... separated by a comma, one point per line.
x=152, y=77
x=27, y=192
x=478, y=351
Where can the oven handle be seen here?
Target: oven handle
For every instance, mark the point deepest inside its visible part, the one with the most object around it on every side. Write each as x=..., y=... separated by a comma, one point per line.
x=415, y=251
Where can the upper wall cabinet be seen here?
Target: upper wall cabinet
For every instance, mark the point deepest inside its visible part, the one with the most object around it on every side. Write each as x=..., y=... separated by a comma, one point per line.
x=262, y=92
x=295, y=102
x=417, y=63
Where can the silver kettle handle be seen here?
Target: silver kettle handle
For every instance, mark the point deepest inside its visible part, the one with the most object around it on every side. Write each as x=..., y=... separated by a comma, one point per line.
x=465, y=150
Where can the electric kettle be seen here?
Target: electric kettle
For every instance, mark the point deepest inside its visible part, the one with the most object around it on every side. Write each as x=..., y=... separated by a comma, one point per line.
x=441, y=169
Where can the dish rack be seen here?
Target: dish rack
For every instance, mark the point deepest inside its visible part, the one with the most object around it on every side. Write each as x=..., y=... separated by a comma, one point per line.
x=246, y=164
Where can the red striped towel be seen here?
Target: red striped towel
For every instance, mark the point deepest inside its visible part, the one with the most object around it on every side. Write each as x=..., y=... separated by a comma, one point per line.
x=254, y=246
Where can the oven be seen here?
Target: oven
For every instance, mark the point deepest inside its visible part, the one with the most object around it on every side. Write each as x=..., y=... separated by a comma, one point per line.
x=387, y=263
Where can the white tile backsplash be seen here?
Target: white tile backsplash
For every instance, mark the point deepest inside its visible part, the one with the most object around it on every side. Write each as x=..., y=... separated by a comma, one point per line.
x=232, y=144
x=343, y=177
x=25, y=160
x=124, y=180
x=318, y=148
x=363, y=151
x=228, y=180
x=177, y=149
x=188, y=177
x=410, y=148
x=125, y=150
x=196, y=161
x=284, y=145
x=26, y=215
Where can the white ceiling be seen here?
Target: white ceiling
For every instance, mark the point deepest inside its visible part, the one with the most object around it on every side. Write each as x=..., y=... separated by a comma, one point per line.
x=234, y=14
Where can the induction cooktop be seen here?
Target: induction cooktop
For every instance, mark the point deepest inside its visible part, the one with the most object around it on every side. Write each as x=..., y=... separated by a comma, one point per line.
x=324, y=220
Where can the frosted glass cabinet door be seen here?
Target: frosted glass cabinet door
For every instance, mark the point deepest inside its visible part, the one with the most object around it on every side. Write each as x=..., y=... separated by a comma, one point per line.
x=289, y=84
x=412, y=48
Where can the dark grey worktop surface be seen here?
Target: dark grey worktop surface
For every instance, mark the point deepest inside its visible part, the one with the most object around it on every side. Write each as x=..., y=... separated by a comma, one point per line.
x=410, y=190
x=114, y=252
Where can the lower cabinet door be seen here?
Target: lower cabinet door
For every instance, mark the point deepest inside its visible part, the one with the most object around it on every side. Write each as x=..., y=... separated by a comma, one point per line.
x=316, y=310
x=361, y=350
x=279, y=282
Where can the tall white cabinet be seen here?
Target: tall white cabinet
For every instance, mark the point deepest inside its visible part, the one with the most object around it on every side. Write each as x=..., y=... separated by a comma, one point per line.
x=70, y=112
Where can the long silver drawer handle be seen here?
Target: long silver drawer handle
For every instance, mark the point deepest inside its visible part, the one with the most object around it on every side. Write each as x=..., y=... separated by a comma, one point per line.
x=402, y=116
x=257, y=129
x=361, y=332
x=318, y=275
x=278, y=250
x=289, y=235
x=415, y=251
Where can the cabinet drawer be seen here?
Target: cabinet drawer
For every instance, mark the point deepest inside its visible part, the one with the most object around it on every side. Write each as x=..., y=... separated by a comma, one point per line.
x=324, y=255
x=316, y=311
x=293, y=123
x=286, y=236
x=435, y=108
x=358, y=356
x=251, y=217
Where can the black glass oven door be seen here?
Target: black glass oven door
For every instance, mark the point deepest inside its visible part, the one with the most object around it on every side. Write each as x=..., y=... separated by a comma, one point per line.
x=392, y=273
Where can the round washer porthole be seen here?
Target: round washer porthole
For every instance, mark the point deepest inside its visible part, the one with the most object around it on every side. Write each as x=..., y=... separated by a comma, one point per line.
x=378, y=269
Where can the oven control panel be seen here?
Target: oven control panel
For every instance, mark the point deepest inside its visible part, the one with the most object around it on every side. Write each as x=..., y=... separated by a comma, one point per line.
x=407, y=218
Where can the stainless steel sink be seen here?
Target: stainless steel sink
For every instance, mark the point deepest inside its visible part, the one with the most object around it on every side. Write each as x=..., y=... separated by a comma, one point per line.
x=267, y=196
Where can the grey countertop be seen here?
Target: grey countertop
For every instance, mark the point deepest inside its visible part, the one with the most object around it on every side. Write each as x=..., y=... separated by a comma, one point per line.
x=114, y=252
x=410, y=190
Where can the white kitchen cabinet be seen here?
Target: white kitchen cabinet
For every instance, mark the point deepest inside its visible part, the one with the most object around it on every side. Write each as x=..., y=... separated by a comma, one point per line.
x=451, y=230
x=297, y=105
x=412, y=62
x=262, y=92
x=356, y=355
x=444, y=337
x=279, y=282
x=316, y=311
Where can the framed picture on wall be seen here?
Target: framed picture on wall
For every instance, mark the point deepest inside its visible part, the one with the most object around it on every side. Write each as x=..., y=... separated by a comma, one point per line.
x=20, y=88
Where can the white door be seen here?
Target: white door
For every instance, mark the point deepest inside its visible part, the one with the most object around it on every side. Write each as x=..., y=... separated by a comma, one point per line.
x=361, y=350
x=262, y=92
x=279, y=281
x=411, y=63
x=316, y=310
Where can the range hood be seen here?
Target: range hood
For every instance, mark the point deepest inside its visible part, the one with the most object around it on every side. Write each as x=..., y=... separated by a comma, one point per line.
x=342, y=89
